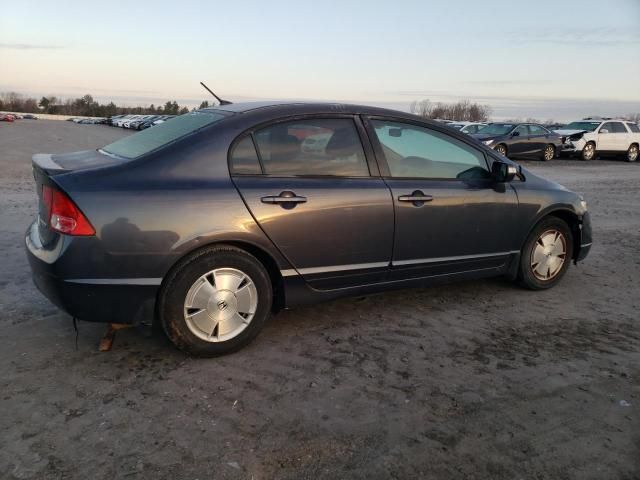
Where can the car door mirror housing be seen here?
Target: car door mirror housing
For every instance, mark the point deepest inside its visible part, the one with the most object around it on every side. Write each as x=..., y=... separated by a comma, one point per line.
x=503, y=172
x=395, y=132
x=604, y=130
x=515, y=134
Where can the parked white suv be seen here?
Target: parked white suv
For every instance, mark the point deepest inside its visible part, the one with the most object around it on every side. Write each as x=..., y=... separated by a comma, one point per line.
x=590, y=136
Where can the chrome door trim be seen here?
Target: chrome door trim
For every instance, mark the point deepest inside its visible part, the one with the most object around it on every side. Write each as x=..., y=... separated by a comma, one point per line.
x=451, y=259
x=363, y=266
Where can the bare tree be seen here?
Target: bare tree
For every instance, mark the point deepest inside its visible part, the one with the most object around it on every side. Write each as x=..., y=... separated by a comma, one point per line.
x=463, y=110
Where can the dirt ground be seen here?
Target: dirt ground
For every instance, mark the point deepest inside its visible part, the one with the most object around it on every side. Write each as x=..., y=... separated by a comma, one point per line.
x=480, y=380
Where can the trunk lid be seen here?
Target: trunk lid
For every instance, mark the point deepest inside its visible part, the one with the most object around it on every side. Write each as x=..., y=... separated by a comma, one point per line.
x=47, y=166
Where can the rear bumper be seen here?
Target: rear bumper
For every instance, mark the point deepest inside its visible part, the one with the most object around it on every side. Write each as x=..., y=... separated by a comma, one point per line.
x=109, y=300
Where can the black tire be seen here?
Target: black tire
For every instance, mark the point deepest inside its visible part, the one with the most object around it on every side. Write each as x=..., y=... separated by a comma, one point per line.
x=171, y=307
x=548, y=153
x=589, y=153
x=501, y=149
x=632, y=153
x=526, y=275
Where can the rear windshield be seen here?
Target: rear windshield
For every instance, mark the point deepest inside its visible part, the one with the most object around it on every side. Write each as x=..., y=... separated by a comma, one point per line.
x=146, y=141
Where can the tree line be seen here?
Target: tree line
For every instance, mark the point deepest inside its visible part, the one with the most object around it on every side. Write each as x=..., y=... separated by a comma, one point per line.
x=463, y=110
x=85, y=106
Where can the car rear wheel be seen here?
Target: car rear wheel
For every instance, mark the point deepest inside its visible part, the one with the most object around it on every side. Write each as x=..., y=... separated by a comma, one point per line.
x=216, y=301
x=548, y=153
x=546, y=254
x=501, y=149
x=589, y=151
x=632, y=153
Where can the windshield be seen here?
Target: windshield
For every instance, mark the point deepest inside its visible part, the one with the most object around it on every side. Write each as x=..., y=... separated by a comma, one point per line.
x=496, y=129
x=588, y=126
x=146, y=141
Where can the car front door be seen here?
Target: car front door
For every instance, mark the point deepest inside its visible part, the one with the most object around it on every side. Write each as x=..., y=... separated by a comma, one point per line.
x=612, y=137
x=451, y=217
x=318, y=196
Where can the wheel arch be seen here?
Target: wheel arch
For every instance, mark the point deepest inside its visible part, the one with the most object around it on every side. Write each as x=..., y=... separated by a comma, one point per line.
x=569, y=217
x=264, y=257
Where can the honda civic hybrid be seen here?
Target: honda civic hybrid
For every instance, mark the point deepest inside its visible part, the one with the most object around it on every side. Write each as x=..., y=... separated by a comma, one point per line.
x=211, y=222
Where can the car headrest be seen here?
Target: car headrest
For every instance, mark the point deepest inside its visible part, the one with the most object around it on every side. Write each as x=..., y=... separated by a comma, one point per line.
x=343, y=143
x=285, y=148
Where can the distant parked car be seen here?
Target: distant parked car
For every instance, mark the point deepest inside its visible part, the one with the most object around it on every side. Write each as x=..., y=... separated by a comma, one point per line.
x=5, y=117
x=120, y=121
x=520, y=139
x=29, y=116
x=467, y=127
x=609, y=136
x=112, y=119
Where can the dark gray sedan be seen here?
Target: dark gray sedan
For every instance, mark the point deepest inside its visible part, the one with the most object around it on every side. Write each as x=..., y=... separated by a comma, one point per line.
x=210, y=222
x=515, y=140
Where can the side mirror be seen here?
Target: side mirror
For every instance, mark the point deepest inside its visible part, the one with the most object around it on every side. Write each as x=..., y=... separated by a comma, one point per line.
x=515, y=134
x=395, y=132
x=503, y=172
x=603, y=130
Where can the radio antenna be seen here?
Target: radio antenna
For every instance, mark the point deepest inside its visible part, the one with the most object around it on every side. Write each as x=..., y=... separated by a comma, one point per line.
x=221, y=101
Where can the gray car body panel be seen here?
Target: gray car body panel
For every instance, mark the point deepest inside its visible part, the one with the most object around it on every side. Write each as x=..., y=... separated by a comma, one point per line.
x=351, y=237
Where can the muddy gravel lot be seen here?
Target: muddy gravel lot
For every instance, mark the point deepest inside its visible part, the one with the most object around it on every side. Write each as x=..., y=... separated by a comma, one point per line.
x=479, y=380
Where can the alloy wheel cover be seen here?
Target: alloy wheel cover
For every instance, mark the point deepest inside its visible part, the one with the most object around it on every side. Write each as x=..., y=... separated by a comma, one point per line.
x=220, y=304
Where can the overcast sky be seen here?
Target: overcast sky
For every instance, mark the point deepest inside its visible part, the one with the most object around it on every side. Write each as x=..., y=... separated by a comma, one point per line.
x=546, y=59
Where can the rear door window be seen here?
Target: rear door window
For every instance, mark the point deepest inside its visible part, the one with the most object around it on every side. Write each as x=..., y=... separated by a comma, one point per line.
x=312, y=147
x=633, y=127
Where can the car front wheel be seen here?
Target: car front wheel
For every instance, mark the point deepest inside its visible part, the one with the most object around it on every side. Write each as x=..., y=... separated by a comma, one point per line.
x=546, y=254
x=216, y=301
x=632, y=153
x=589, y=151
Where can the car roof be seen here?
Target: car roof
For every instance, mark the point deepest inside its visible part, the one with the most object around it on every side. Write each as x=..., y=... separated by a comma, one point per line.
x=301, y=108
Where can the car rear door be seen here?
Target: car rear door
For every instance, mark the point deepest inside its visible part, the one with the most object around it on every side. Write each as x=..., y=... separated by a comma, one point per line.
x=538, y=138
x=315, y=190
x=451, y=217
x=519, y=142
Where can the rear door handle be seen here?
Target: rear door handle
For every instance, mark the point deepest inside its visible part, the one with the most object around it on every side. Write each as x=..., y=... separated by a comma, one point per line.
x=415, y=197
x=284, y=197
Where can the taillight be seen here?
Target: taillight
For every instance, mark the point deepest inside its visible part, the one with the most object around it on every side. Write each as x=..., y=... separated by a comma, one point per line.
x=62, y=214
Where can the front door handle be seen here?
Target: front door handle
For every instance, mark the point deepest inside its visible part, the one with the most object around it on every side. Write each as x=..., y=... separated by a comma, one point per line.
x=284, y=197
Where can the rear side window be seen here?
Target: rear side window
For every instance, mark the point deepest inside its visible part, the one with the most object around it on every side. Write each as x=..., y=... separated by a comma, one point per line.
x=244, y=159
x=151, y=139
x=633, y=127
x=312, y=147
